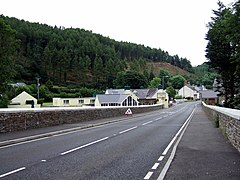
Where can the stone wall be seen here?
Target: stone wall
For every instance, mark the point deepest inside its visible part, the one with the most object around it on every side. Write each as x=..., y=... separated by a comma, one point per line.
x=230, y=126
x=16, y=120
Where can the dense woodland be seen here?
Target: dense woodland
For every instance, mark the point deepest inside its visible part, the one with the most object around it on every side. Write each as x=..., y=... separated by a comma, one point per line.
x=77, y=56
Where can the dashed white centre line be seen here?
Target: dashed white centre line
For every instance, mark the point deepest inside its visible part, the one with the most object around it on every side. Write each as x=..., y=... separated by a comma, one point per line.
x=161, y=158
x=147, y=123
x=128, y=130
x=158, y=119
x=83, y=146
x=155, y=166
x=149, y=174
x=12, y=172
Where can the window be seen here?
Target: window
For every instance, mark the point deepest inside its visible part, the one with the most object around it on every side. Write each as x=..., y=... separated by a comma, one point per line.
x=81, y=101
x=65, y=101
x=92, y=101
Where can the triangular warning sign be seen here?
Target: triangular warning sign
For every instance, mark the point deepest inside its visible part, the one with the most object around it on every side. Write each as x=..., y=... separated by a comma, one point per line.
x=128, y=112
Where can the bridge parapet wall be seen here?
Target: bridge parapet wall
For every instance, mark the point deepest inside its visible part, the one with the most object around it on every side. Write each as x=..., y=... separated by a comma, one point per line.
x=22, y=119
x=228, y=120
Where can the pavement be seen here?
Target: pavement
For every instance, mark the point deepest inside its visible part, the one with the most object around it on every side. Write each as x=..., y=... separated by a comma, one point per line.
x=204, y=153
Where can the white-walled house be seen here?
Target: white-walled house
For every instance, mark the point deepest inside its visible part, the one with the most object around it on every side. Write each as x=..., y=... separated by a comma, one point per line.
x=23, y=100
x=73, y=102
x=189, y=92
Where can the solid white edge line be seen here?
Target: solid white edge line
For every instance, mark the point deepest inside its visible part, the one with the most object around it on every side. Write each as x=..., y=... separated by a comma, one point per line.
x=128, y=130
x=25, y=142
x=12, y=172
x=170, y=159
x=83, y=146
x=147, y=123
x=155, y=166
x=149, y=174
x=179, y=131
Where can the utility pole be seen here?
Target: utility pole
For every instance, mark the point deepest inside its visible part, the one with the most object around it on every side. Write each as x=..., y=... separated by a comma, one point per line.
x=38, y=85
x=163, y=82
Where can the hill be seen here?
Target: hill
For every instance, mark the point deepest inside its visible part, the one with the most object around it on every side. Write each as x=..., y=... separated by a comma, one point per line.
x=76, y=56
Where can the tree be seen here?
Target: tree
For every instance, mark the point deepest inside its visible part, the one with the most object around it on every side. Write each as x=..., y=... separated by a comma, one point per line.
x=8, y=45
x=171, y=92
x=132, y=79
x=177, y=82
x=155, y=82
x=223, y=49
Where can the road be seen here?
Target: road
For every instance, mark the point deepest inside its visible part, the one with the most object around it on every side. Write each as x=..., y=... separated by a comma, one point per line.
x=136, y=148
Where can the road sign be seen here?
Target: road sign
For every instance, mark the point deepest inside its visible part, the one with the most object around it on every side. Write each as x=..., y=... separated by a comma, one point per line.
x=128, y=112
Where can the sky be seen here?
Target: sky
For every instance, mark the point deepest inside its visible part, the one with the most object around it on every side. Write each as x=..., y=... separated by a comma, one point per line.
x=176, y=26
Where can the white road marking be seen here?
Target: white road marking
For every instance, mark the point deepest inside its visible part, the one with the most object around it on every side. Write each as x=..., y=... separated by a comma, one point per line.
x=12, y=172
x=155, y=166
x=147, y=123
x=128, y=130
x=170, y=159
x=161, y=158
x=158, y=119
x=43, y=160
x=83, y=146
x=149, y=174
x=25, y=142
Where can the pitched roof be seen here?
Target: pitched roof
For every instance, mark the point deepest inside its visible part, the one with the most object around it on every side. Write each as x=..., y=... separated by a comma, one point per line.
x=145, y=93
x=114, y=91
x=111, y=98
x=209, y=94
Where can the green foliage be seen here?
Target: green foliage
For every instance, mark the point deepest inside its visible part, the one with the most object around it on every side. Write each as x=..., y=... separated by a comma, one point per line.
x=171, y=91
x=132, y=79
x=223, y=47
x=155, y=82
x=3, y=101
x=8, y=47
x=79, y=57
x=177, y=82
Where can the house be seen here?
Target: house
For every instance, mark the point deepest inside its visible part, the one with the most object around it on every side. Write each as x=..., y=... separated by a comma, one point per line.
x=116, y=100
x=189, y=92
x=73, y=102
x=162, y=98
x=210, y=97
x=23, y=100
x=146, y=96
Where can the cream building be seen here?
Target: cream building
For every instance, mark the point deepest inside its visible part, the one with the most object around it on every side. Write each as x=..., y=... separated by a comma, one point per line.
x=73, y=102
x=24, y=100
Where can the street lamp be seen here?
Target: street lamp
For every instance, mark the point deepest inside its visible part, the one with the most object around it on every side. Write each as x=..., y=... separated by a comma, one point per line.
x=163, y=81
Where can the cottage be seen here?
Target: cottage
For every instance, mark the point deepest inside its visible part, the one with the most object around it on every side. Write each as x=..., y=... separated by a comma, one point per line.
x=23, y=100
x=189, y=92
x=146, y=96
x=210, y=97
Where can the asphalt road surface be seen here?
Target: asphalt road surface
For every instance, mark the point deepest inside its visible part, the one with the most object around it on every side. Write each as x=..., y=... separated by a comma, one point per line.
x=136, y=148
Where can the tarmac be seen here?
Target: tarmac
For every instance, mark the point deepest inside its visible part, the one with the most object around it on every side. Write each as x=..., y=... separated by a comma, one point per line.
x=203, y=152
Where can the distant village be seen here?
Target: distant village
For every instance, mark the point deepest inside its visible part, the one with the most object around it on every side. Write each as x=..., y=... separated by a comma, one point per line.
x=126, y=97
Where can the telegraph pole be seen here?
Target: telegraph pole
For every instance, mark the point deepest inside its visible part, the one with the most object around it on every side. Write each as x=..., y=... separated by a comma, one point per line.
x=38, y=85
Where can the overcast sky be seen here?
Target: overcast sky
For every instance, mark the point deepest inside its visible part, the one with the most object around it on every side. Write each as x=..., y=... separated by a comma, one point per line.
x=176, y=26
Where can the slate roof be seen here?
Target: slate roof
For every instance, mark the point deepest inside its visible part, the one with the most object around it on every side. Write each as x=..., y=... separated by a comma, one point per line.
x=145, y=93
x=114, y=91
x=209, y=94
x=111, y=98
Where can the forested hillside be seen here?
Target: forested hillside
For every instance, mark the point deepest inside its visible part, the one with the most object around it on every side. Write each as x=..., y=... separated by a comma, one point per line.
x=80, y=57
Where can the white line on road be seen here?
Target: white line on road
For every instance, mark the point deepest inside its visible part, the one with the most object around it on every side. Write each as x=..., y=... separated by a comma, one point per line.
x=12, y=172
x=161, y=158
x=128, y=130
x=149, y=174
x=158, y=119
x=83, y=146
x=147, y=123
x=155, y=166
